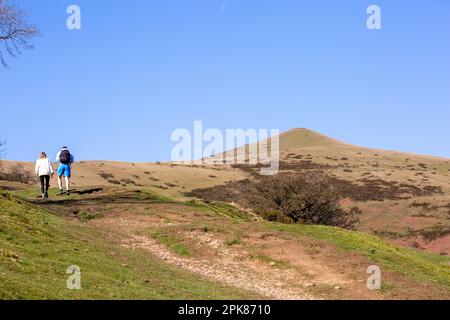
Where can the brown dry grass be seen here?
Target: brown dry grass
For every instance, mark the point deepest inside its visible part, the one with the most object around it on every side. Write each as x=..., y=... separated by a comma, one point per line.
x=305, y=150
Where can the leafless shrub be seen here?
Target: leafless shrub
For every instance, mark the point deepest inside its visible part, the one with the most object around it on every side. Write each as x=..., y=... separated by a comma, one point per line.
x=2, y=148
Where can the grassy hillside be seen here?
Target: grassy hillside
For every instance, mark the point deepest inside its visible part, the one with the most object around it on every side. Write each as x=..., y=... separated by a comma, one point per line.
x=404, y=197
x=136, y=244
x=36, y=248
x=172, y=179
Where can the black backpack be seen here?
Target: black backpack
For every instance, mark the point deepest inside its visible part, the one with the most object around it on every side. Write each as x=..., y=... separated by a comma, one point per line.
x=64, y=157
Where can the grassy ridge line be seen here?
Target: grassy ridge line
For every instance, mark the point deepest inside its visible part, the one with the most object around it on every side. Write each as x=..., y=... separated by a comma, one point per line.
x=422, y=266
x=36, y=248
x=146, y=194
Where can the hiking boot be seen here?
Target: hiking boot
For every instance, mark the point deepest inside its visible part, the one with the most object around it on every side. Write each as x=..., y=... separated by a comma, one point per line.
x=46, y=195
x=61, y=192
x=68, y=192
x=43, y=196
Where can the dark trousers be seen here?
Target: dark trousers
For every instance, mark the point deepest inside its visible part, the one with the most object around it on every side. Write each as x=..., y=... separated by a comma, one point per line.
x=45, y=183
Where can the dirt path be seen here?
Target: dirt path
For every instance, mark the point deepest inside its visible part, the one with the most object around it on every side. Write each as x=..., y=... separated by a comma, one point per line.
x=236, y=251
x=291, y=275
x=230, y=270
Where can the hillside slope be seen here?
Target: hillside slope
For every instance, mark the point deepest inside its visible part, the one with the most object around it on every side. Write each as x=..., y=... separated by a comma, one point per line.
x=172, y=179
x=36, y=248
x=404, y=197
x=135, y=244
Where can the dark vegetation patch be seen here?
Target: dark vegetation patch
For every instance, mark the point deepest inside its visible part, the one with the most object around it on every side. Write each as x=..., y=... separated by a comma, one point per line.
x=365, y=190
x=429, y=190
x=106, y=176
x=421, y=215
x=127, y=181
x=17, y=173
x=87, y=191
x=431, y=234
x=306, y=198
x=113, y=181
x=380, y=190
x=425, y=206
x=295, y=156
x=171, y=185
x=9, y=188
x=428, y=234
x=303, y=165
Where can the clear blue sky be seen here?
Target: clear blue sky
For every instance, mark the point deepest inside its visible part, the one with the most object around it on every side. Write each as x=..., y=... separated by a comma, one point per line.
x=140, y=69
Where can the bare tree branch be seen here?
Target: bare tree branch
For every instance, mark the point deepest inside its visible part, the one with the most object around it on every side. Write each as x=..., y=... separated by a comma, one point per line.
x=2, y=147
x=15, y=31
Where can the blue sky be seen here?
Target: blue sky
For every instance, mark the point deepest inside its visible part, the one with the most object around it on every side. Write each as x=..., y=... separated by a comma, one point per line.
x=140, y=69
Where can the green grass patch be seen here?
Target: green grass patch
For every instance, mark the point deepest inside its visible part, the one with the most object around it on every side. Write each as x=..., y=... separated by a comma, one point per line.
x=220, y=208
x=274, y=263
x=233, y=242
x=36, y=248
x=34, y=192
x=170, y=240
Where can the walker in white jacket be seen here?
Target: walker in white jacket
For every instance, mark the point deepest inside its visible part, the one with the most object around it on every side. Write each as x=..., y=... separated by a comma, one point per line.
x=44, y=167
x=44, y=170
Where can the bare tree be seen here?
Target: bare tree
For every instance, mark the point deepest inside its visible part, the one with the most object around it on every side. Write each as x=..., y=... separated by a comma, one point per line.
x=15, y=31
x=2, y=147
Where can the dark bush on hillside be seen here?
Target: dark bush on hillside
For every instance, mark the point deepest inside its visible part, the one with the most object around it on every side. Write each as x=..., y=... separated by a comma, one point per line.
x=106, y=176
x=17, y=173
x=305, y=198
